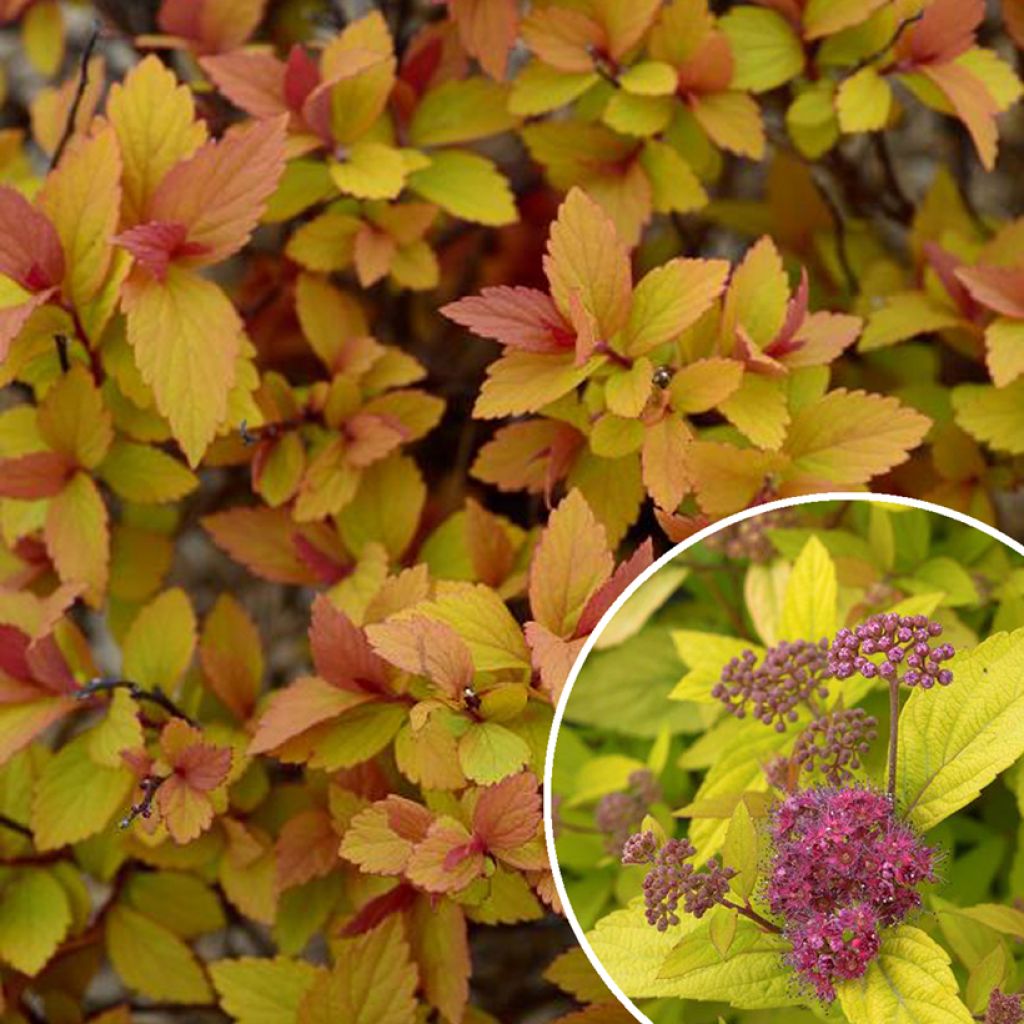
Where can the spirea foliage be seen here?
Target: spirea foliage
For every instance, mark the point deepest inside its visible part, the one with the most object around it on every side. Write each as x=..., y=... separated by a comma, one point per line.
x=354, y=360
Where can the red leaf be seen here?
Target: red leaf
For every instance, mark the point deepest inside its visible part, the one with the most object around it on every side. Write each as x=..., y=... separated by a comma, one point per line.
x=30, y=249
x=378, y=909
x=38, y=475
x=604, y=597
x=341, y=652
x=522, y=318
x=155, y=244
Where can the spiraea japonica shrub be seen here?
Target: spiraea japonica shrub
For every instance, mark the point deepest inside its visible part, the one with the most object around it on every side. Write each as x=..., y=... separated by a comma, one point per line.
x=293, y=568
x=808, y=807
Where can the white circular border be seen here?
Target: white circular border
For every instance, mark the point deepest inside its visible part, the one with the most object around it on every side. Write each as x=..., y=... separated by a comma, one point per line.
x=738, y=517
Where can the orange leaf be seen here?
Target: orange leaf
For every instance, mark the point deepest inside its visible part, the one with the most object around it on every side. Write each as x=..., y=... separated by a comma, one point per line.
x=254, y=82
x=447, y=860
x=522, y=318
x=487, y=29
x=381, y=838
x=973, y=104
x=231, y=656
x=585, y=256
x=664, y=463
x=219, y=194
x=307, y=848
x=508, y=814
x=571, y=561
x=341, y=652
x=74, y=421
x=425, y=647
x=78, y=536
x=36, y=475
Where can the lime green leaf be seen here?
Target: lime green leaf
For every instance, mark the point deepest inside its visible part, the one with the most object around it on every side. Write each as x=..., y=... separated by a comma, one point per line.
x=34, y=918
x=706, y=655
x=765, y=49
x=152, y=960
x=76, y=797
x=741, y=850
x=863, y=102
x=467, y=186
x=255, y=990
x=159, y=645
x=753, y=974
x=650, y=78
x=489, y=752
x=992, y=415
x=954, y=740
x=910, y=983
x=461, y=110
x=809, y=607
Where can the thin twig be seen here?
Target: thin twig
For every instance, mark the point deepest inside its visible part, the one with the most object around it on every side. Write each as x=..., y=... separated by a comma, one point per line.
x=83, y=81
x=893, y=40
x=751, y=914
x=144, y=808
x=155, y=696
x=15, y=826
x=61, y=341
x=905, y=208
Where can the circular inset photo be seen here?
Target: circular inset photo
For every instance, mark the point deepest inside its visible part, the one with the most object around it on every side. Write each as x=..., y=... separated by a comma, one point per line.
x=786, y=781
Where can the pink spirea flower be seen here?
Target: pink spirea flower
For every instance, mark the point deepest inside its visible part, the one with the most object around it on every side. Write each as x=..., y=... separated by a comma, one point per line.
x=837, y=850
x=788, y=675
x=834, y=946
x=1004, y=1009
x=908, y=647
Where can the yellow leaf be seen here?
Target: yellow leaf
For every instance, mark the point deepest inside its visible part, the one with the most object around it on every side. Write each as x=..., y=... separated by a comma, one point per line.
x=811, y=119
x=758, y=408
x=952, y=746
x=864, y=101
x=703, y=384
x=82, y=198
x=848, y=437
x=467, y=186
x=732, y=120
x=186, y=337
x=671, y=298
x=78, y=536
x=757, y=295
x=626, y=393
x=152, y=960
x=910, y=982
x=42, y=35
x=766, y=52
x=674, y=186
x=160, y=642
x=461, y=110
x=119, y=730
x=66, y=811
x=539, y=88
x=905, y=315
x=371, y=170
x=325, y=243
x=809, y=604
x=1004, y=339
x=328, y=316
x=74, y=421
x=992, y=415
x=142, y=474
x=256, y=990
x=826, y=17
x=632, y=114
x=527, y=381
x=154, y=118
x=649, y=78
x=740, y=851
x=664, y=465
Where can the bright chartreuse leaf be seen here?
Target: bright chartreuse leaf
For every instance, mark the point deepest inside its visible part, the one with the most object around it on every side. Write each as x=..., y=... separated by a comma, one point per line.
x=954, y=740
x=809, y=605
x=705, y=654
x=753, y=974
x=909, y=983
x=34, y=918
x=255, y=990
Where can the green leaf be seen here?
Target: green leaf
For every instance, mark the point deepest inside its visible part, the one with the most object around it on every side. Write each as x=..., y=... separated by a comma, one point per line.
x=752, y=975
x=705, y=654
x=152, y=960
x=488, y=752
x=909, y=983
x=809, y=607
x=357, y=735
x=740, y=850
x=467, y=186
x=765, y=50
x=34, y=918
x=633, y=952
x=954, y=740
x=607, y=773
x=75, y=797
x=161, y=640
x=255, y=990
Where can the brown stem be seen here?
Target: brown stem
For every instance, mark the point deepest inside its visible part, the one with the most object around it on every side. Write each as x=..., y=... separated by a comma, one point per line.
x=155, y=696
x=751, y=914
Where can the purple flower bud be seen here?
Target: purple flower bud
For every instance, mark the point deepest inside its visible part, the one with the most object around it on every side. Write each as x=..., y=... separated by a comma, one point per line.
x=903, y=639
x=832, y=744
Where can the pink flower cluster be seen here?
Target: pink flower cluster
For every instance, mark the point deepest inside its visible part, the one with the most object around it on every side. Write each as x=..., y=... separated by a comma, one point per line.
x=843, y=867
x=789, y=674
x=906, y=643
x=672, y=880
x=617, y=814
x=1004, y=1009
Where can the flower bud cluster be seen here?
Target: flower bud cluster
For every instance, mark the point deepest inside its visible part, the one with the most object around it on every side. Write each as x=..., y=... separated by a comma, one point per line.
x=907, y=643
x=672, y=880
x=834, y=743
x=1004, y=1009
x=618, y=814
x=749, y=539
x=843, y=867
x=791, y=673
